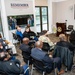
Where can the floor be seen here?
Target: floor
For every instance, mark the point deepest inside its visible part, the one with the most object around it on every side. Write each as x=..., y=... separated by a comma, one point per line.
x=54, y=39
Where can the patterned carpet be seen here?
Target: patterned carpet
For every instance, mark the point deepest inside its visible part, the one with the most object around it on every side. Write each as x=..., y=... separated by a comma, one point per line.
x=54, y=39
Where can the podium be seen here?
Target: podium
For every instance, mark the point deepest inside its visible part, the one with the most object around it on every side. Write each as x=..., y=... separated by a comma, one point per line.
x=61, y=27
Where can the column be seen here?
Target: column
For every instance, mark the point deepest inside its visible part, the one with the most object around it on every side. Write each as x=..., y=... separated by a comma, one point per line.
x=4, y=20
x=50, y=15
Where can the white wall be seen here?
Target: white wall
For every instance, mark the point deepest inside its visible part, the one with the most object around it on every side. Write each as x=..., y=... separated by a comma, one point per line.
x=12, y=9
x=58, y=0
x=64, y=11
x=54, y=10
x=41, y=2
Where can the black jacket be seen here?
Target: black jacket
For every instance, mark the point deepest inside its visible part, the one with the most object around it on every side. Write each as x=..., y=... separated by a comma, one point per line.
x=66, y=44
x=25, y=48
x=11, y=67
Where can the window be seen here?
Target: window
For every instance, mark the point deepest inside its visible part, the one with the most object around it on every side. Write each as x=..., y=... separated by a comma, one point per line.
x=41, y=18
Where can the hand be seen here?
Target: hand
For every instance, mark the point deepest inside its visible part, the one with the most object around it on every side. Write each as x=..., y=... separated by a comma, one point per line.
x=50, y=56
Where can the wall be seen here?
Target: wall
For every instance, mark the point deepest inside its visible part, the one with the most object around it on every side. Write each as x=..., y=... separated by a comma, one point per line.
x=58, y=0
x=65, y=11
x=54, y=10
x=41, y=3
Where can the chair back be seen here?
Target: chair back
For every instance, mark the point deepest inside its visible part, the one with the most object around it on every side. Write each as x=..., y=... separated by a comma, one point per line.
x=70, y=27
x=27, y=58
x=32, y=35
x=26, y=55
x=31, y=43
x=14, y=36
x=46, y=46
x=39, y=65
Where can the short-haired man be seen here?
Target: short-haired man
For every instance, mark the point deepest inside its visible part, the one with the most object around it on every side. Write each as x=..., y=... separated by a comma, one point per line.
x=26, y=49
x=64, y=43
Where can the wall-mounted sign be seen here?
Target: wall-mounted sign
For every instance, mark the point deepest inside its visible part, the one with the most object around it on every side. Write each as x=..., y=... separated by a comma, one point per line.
x=19, y=7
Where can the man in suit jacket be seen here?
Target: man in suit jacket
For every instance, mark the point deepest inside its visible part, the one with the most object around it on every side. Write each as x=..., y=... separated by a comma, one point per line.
x=38, y=54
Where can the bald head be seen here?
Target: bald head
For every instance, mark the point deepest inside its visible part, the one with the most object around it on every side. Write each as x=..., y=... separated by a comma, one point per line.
x=25, y=40
x=62, y=37
x=39, y=44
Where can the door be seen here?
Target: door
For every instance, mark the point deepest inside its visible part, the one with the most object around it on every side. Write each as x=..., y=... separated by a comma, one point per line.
x=41, y=18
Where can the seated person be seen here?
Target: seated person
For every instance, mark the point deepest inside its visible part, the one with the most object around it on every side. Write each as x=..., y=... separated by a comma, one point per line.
x=6, y=44
x=6, y=49
x=10, y=45
x=44, y=38
x=70, y=51
x=26, y=32
x=19, y=33
x=11, y=67
x=29, y=34
x=64, y=43
x=1, y=47
x=38, y=54
x=24, y=46
x=72, y=37
x=2, y=41
x=26, y=49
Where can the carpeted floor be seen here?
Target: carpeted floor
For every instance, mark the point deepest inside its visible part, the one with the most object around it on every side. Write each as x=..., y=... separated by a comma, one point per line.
x=54, y=39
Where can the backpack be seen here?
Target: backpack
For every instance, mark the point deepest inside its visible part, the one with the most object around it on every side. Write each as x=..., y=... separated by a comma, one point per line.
x=26, y=69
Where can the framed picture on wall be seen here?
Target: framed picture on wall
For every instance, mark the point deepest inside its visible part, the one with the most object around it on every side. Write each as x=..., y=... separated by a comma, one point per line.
x=20, y=20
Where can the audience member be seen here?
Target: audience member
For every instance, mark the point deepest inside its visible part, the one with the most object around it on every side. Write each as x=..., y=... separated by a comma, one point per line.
x=10, y=45
x=26, y=32
x=44, y=37
x=64, y=50
x=26, y=49
x=6, y=44
x=30, y=34
x=24, y=46
x=19, y=33
x=64, y=43
x=2, y=42
x=11, y=67
x=72, y=37
x=38, y=54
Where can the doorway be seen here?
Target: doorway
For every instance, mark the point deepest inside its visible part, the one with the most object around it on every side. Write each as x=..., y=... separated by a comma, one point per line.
x=41, y=13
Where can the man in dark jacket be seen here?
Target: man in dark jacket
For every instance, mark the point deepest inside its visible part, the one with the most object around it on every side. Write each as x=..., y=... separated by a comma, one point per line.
x=10, y=67
x=26, y=49
x=65, y=50
x=64, y=43
x=38, y=54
